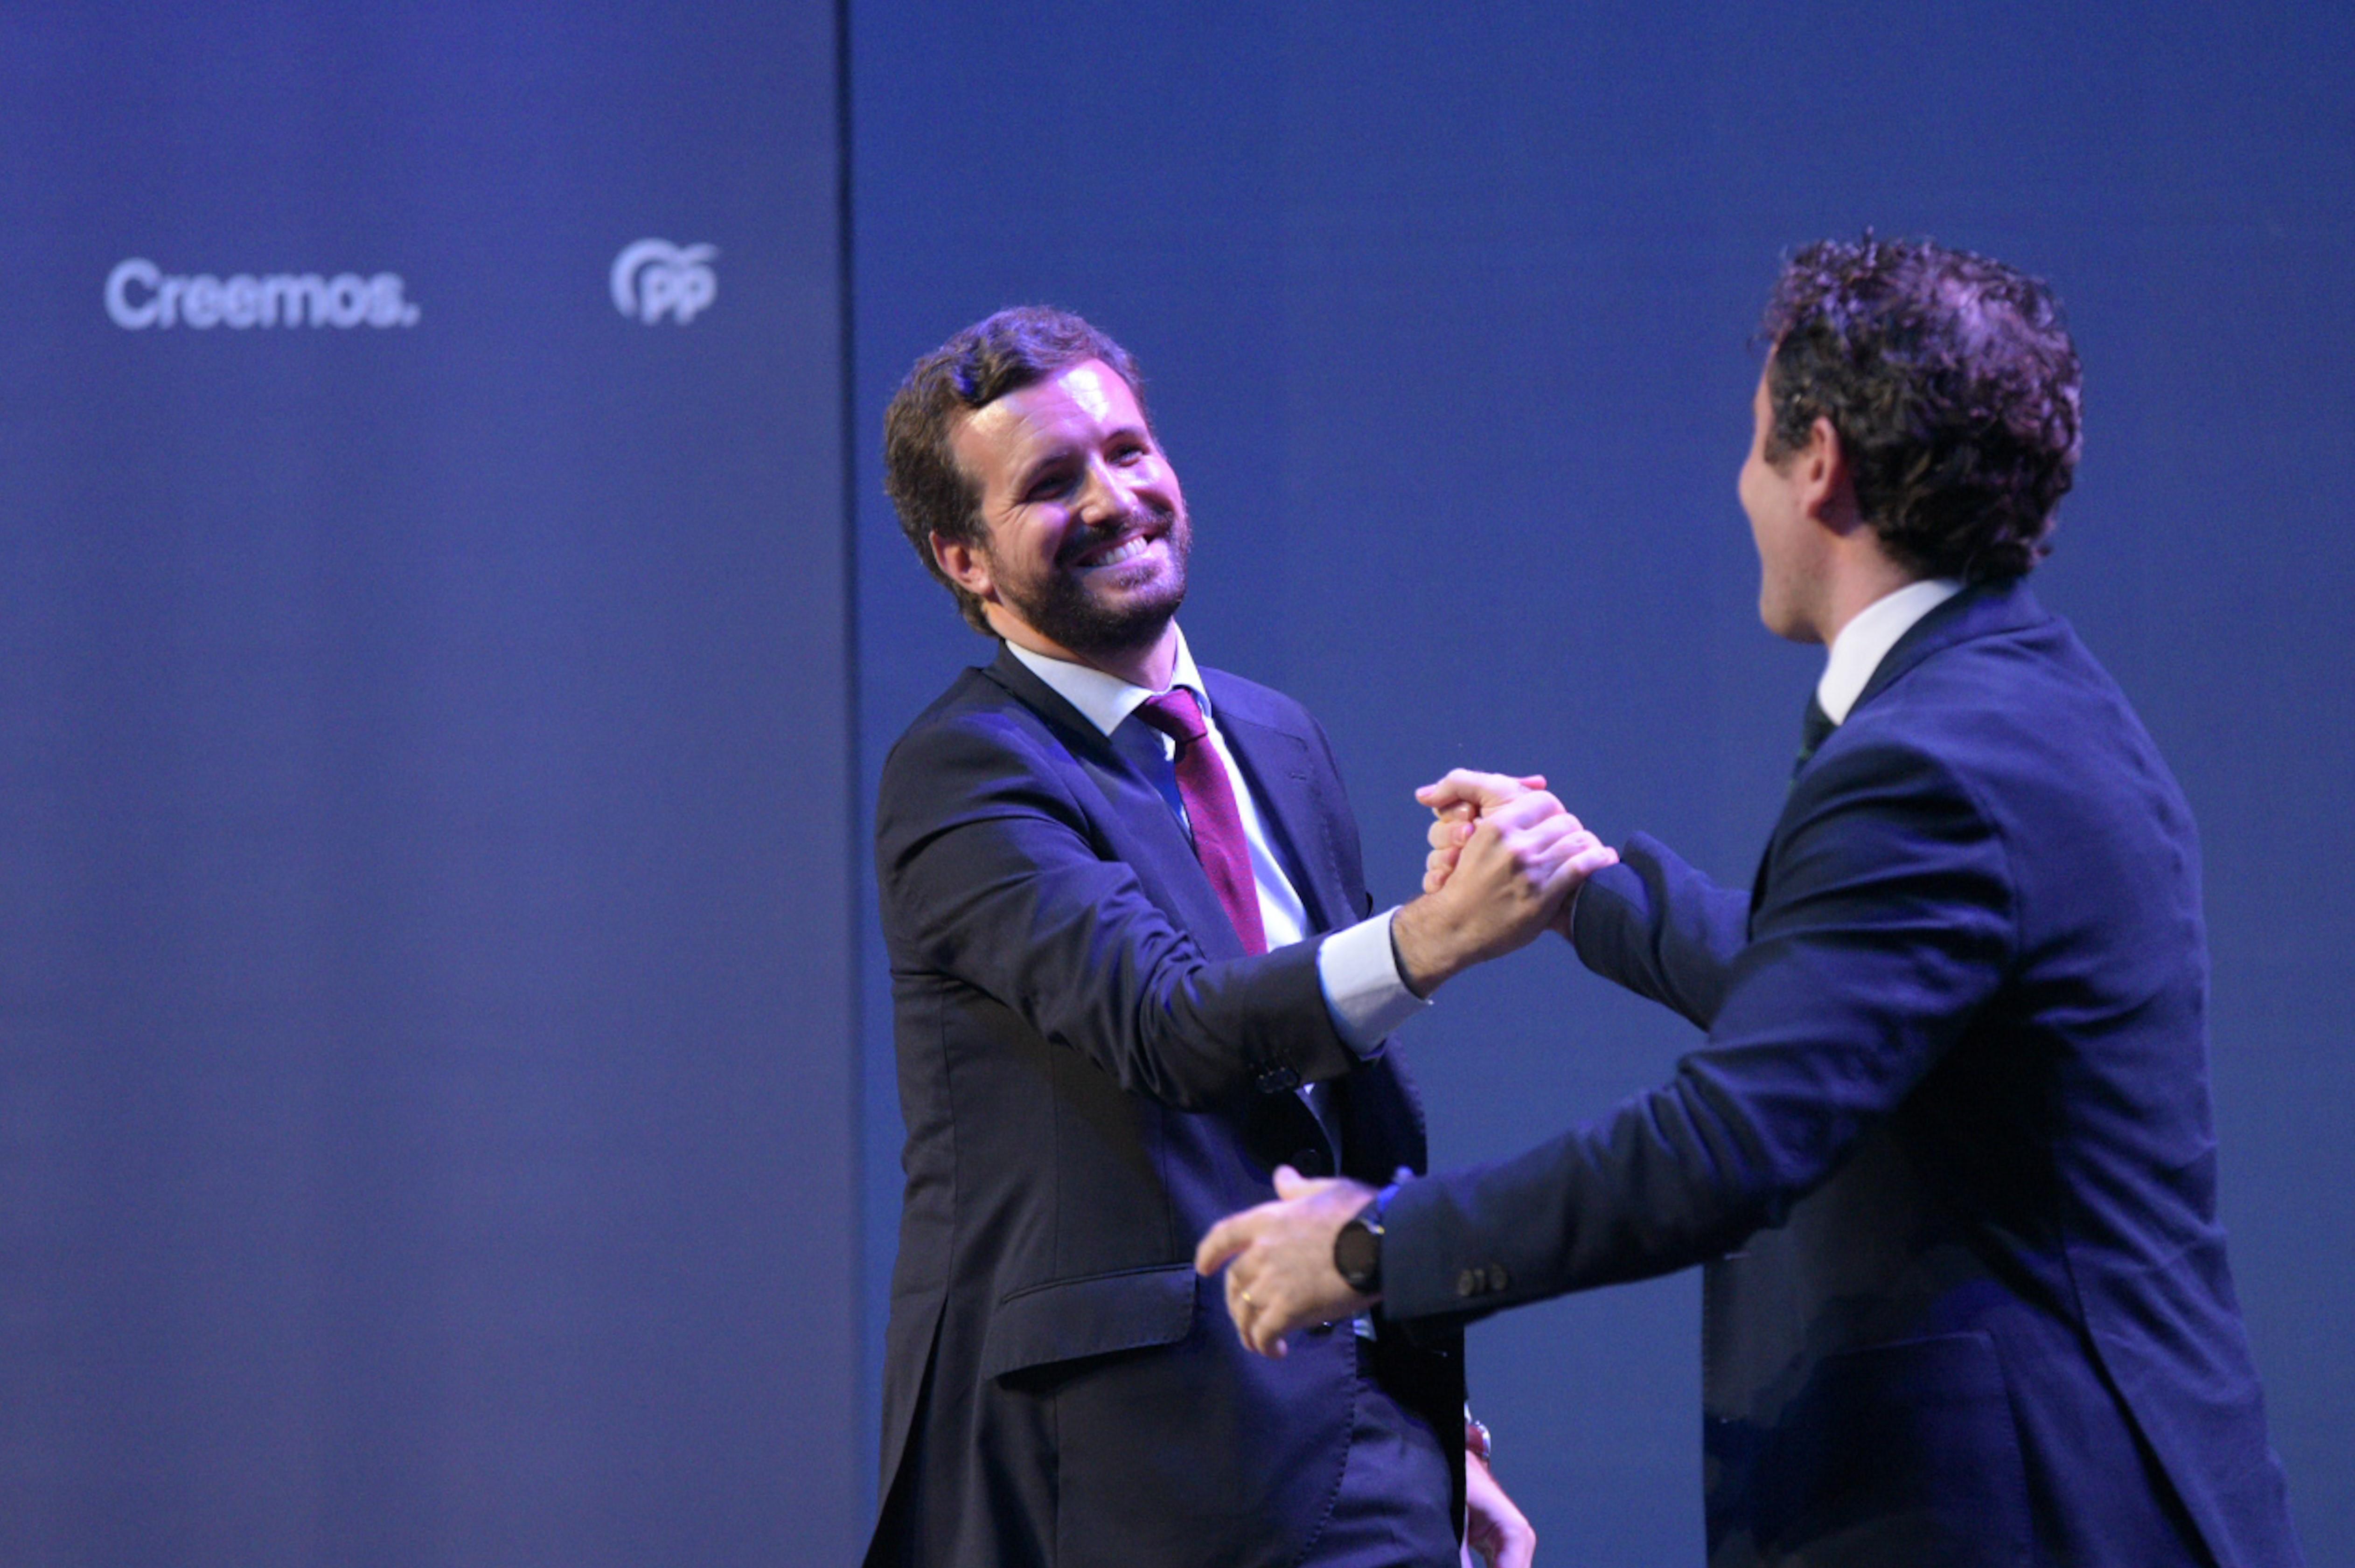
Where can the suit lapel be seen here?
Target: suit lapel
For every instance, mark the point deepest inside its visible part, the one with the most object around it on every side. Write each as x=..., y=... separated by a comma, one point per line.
x=1134, y=821
x=1382, y=1120
x=1281, y=770
x=1301, y=805
x=1137, y=827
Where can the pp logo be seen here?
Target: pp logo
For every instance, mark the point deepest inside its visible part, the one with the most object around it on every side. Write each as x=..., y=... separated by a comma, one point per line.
x=654, y=279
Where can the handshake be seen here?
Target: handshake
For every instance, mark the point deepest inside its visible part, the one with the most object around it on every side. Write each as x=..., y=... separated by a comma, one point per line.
x=1505, y=860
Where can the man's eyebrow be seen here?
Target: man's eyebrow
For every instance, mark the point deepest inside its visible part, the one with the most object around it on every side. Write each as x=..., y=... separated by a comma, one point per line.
x=1048, y=457
x=1061, y=451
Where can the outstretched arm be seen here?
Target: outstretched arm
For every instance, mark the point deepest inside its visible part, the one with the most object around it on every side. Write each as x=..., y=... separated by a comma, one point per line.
x=993, y=873
x=1888, y=923
x=1654, y=925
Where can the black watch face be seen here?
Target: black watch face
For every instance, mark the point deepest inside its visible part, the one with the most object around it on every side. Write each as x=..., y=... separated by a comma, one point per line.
x=1356, y=1254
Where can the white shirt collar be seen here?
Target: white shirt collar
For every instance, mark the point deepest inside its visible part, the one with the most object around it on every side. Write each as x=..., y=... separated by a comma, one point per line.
x=1106, y=700
x=1866, y=641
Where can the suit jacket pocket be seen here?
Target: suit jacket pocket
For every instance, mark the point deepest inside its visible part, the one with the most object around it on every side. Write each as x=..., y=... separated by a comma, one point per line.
x=1904, y=1452
x=1091, y=1315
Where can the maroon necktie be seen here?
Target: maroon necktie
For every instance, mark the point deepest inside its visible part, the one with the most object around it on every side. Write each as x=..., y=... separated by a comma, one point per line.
x=1218, y=842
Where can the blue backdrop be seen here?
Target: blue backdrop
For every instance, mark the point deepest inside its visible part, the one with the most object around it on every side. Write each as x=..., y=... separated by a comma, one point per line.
x=442, y=672
x=426, y=1090
x=1445, y=314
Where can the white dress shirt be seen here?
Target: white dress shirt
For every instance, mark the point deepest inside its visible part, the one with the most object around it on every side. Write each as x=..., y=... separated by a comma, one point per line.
x=1357, y=965
x=1866, y=641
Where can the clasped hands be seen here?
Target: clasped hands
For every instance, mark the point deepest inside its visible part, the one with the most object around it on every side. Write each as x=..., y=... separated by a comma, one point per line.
x=1505, y=859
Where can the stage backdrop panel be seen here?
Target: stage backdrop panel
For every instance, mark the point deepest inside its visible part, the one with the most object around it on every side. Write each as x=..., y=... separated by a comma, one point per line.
x=426, y=1113
x=1445, y=314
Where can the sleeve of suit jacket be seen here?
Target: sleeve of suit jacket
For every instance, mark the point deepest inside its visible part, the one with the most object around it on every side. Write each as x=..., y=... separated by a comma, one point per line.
x=1662, y=929
x=1885, y=921
x=993, y=872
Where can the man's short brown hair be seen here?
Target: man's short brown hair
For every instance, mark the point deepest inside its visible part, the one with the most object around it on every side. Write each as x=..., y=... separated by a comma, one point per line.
x=1009, y=351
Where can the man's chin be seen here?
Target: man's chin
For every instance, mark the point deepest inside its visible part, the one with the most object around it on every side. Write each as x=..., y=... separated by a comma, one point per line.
x=1133, y=633
x=1100, y=625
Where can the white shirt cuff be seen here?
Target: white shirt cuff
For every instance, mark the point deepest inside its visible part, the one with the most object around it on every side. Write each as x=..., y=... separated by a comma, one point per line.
x=1358, y=968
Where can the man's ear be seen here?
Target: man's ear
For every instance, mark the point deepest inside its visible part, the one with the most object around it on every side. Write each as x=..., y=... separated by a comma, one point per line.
x=967, y=565
x=1827, y=492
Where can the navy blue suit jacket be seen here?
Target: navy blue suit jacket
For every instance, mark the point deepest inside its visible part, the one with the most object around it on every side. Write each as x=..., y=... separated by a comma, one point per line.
x=1946, y=1151
x=1092, y=1073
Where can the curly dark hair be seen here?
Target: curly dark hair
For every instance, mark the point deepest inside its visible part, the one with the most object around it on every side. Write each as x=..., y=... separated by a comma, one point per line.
x=1004, y=353
x=1953, y=388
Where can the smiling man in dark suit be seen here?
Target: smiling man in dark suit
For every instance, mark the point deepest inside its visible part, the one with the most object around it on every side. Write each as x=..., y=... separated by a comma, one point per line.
x=1134, y=970
x=1947, y=1152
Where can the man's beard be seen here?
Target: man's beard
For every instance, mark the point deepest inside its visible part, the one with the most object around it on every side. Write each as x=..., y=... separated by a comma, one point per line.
x=1063, y=609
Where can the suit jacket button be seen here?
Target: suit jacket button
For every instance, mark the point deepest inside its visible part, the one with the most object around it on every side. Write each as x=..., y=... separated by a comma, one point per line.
x=1471, y=1282
x=1278, y=1080
x=1497, y=1277
x=1308, y=1162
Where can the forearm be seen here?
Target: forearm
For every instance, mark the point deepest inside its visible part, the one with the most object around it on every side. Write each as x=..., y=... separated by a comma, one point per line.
x=1884, y=932
x=1365, y=989
x=1110, y=978
x=1562, y=1216
x=1010, y=896
x=1657, y=927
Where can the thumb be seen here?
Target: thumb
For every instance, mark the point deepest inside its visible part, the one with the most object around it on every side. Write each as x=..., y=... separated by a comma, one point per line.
x=1290, y=1184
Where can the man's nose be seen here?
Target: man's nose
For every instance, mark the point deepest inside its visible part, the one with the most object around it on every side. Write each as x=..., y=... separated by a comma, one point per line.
x=1101, y=495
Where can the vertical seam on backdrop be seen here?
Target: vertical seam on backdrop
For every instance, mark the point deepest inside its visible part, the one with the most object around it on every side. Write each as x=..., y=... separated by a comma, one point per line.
x=855, y=1041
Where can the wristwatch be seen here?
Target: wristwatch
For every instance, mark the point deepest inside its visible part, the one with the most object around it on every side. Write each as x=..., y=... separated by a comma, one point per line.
x=1358, y=1248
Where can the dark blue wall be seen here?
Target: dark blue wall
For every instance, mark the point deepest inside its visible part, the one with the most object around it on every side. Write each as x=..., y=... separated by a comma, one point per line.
x=1445, y=314
x=429, y=1094
x=426, y=1103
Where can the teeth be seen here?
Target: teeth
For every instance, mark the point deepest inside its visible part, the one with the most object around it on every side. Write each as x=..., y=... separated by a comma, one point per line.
x=1126, y=551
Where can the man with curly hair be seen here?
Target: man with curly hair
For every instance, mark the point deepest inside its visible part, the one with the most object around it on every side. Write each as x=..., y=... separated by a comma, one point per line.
x=1947, y=1154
